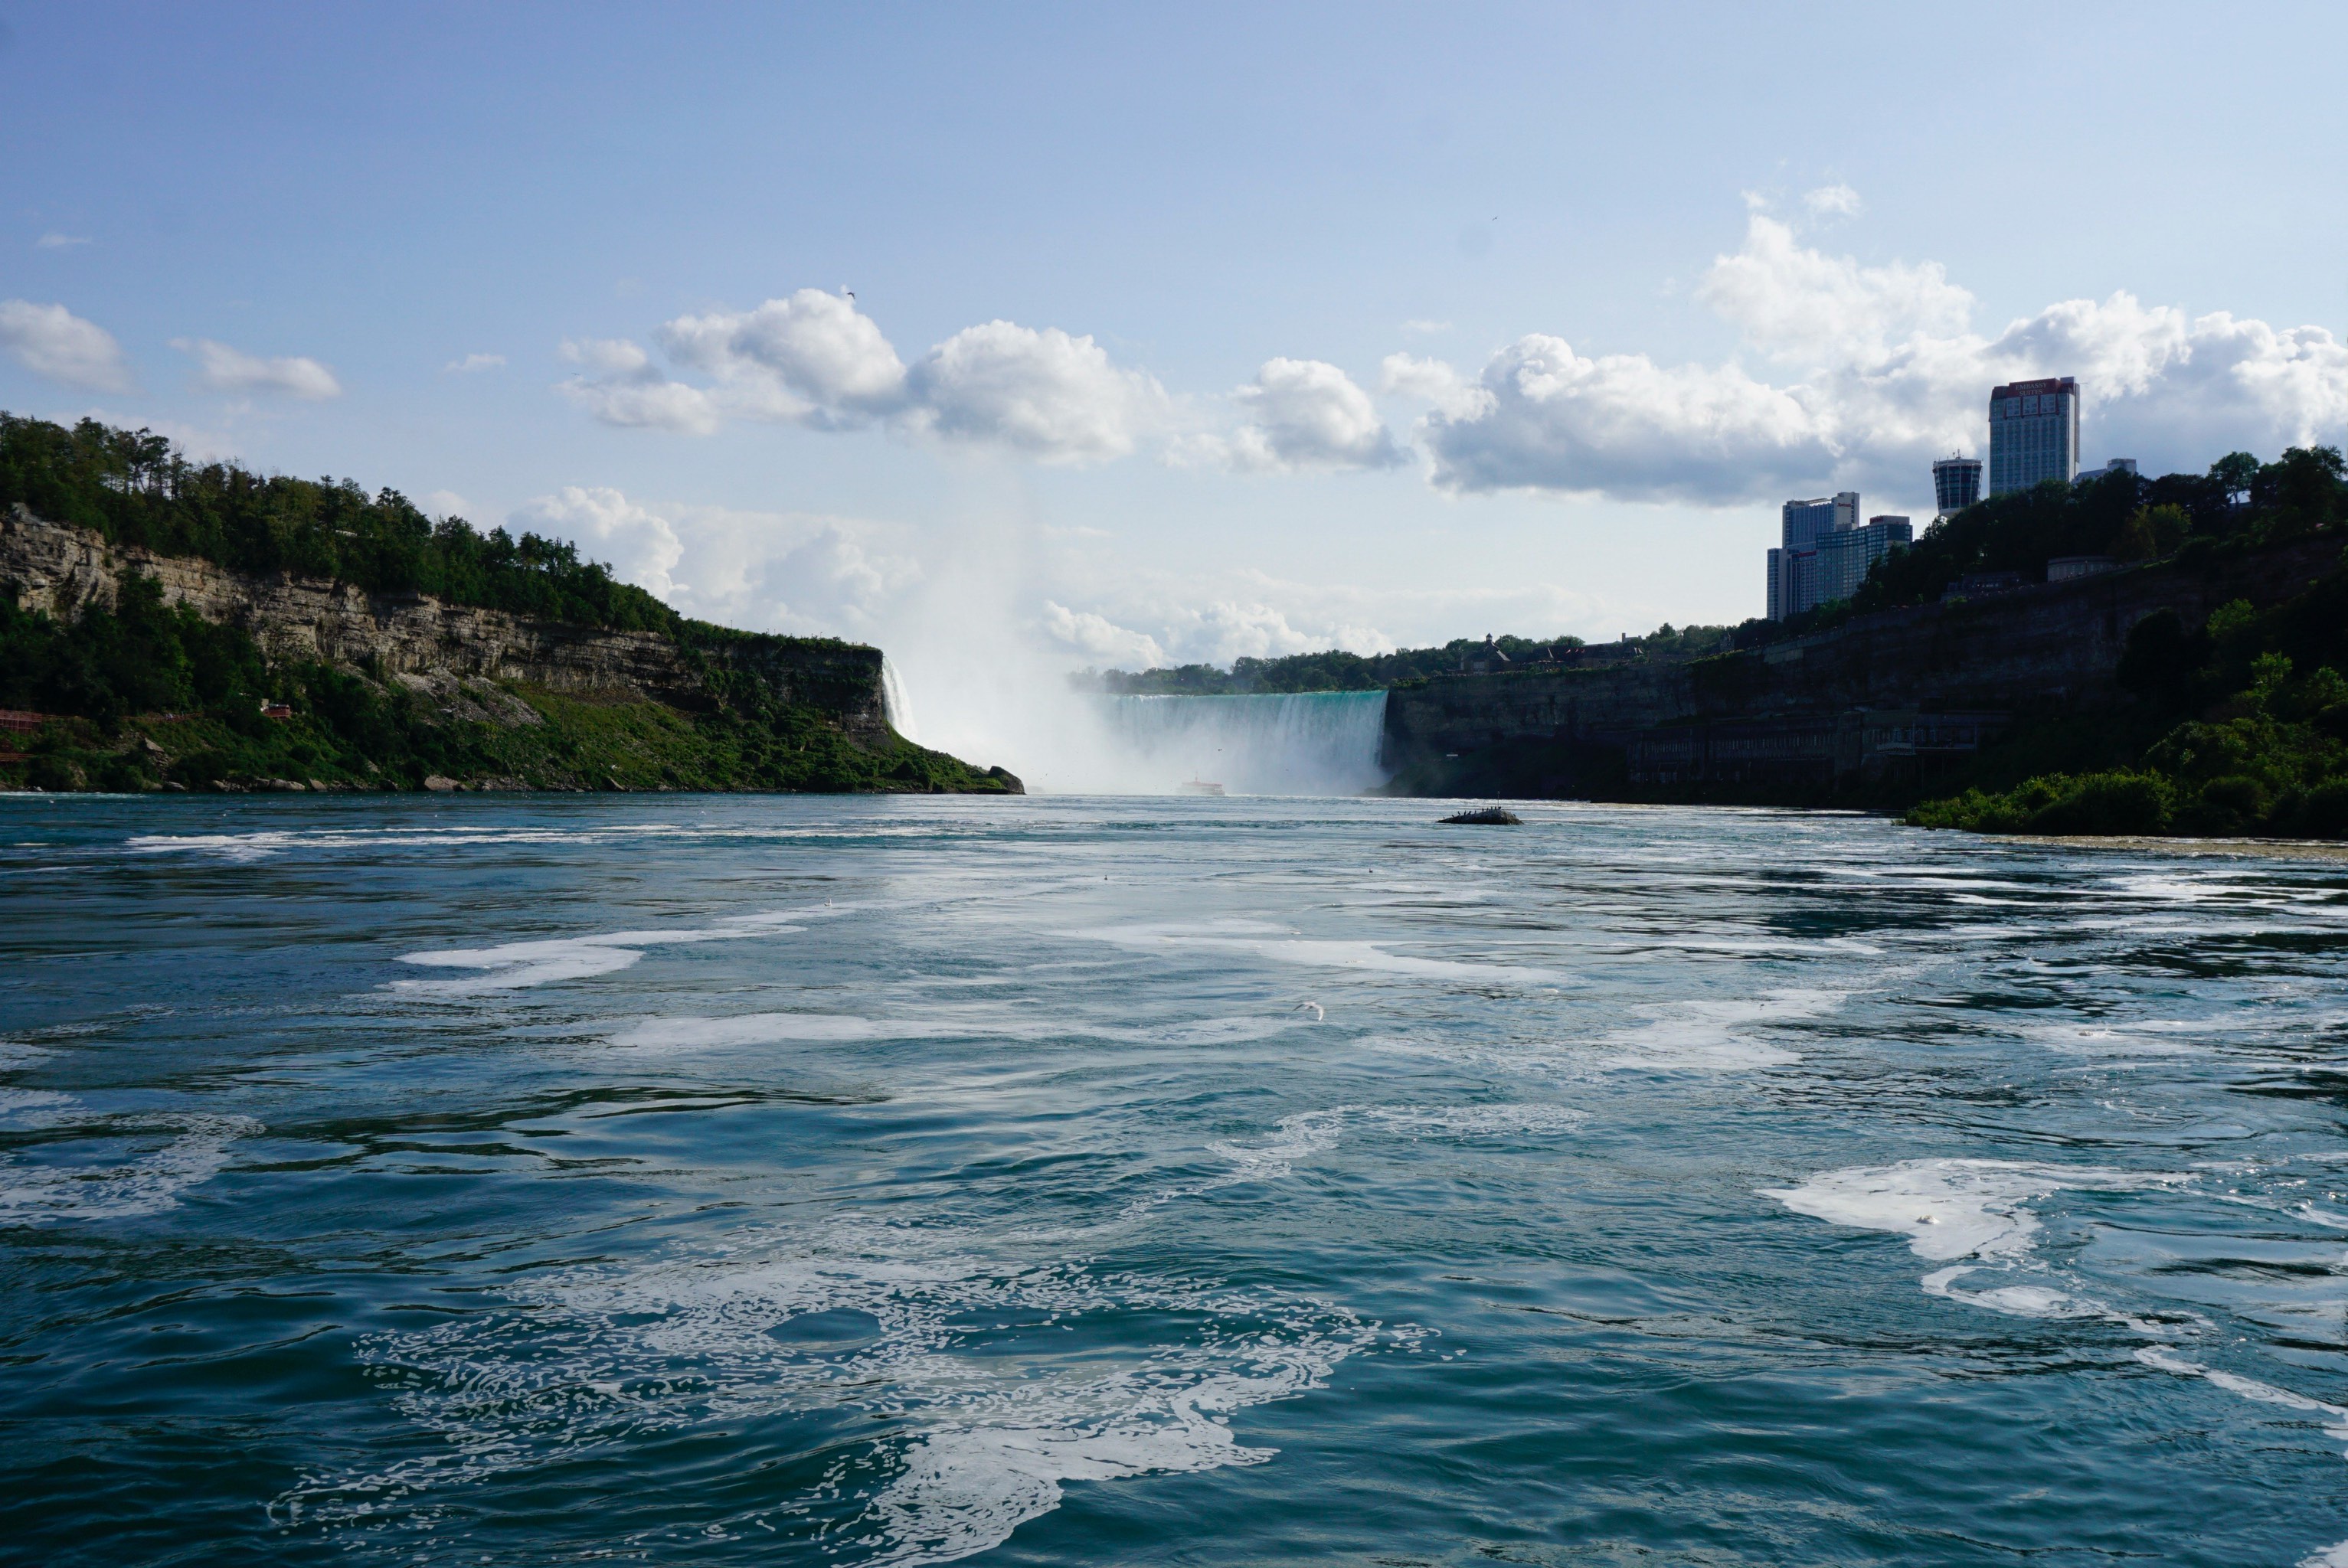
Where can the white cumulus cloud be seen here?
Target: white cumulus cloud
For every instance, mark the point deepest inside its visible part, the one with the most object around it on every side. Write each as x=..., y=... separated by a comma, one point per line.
x=53, y=240
x=1799, y=304
x=1305, y=414
x=814, y=359
x=1045, y=393
x=1432, y=381
x=640, y=546
x=225, y=369
x=620, y=385
x=1622, y=425
x=1875, y=369
x=765, y=571
x=473, y=363
x=53, y=342
x=1833, y=201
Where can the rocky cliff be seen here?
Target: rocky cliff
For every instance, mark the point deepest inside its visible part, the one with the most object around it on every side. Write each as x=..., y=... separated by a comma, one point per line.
x=57, y=569
x=2051, y=648
x=714, y=709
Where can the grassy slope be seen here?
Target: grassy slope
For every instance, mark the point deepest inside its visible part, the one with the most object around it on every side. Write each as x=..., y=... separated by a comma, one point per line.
x=387, y=739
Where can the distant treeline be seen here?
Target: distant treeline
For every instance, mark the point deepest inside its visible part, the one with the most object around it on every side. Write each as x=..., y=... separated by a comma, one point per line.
x=1337, y=671
x=136, y=488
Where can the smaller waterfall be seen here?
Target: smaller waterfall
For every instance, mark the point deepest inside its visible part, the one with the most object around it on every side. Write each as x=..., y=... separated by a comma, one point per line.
x=892, y=701
x=1306, y=743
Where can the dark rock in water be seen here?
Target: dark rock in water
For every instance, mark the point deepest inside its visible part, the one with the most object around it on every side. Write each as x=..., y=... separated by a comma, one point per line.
x=1490, y=816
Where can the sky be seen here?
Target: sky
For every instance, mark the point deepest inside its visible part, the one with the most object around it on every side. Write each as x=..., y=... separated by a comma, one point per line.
x=1034, y=338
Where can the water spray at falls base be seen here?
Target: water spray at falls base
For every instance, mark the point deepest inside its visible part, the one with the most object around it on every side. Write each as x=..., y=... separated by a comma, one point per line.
x=1309, y=743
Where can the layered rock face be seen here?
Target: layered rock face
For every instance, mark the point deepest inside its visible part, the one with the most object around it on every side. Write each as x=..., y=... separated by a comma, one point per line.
x=2050, y=647
x=58, y=569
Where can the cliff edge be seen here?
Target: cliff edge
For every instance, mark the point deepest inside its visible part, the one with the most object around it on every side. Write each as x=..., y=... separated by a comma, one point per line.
x=1880, y=710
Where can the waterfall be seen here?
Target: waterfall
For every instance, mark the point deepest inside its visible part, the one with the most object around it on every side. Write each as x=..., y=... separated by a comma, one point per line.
x=892, y=702
x=1306, y=743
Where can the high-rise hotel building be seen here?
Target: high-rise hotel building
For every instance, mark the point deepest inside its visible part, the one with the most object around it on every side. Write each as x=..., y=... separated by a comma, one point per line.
x=1825, y=553
x=2034, y=434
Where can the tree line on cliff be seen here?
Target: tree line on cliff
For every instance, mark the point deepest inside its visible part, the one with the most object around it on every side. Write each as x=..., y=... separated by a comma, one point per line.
x=2239, y=504
x=135, y=488
x=1338, y=670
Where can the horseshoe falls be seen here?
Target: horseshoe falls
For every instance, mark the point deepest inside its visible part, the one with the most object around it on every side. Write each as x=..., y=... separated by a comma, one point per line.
x=1305, y=743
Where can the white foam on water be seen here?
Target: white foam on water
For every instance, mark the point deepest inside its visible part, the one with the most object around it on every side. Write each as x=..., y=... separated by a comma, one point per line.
x=2329, y=1557
x=15, y=1055
x=1974, y=1211
x=2167, y=1360
x=1481, y=1120
x=980, y=1405
x=1310, y=1132
x=2146, y=1036
x=520, y=964
x=804, y=1028
x=33, y=1107
x=514, y=965
x=1215, y=1030
x=226, y=845
x=1949, y=1208
x=144, y=1185
x=1298, y=1137
x=758, y=1029
x=1717, y=1036
x=2014, y=1300
x=1240, y=936
x=243, y=847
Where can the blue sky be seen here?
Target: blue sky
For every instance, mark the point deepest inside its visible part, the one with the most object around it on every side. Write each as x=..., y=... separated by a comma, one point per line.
x=1177, y=333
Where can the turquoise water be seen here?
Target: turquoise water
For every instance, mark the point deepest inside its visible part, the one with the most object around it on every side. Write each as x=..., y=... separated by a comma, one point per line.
x=515, y=1181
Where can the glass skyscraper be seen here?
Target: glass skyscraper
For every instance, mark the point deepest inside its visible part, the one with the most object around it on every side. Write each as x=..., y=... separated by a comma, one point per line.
x=2034, y=434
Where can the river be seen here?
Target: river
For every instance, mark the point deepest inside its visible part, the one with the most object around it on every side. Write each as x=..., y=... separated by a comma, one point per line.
x=1078, y=1180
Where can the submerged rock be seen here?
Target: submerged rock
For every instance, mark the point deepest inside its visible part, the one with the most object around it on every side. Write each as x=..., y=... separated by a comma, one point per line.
x=1490, y=816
